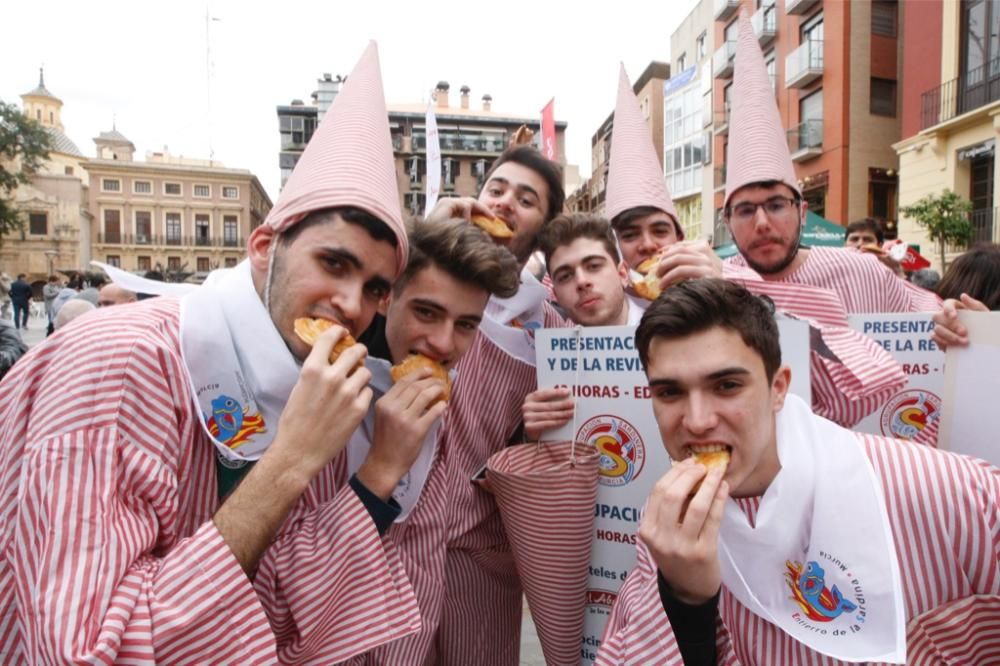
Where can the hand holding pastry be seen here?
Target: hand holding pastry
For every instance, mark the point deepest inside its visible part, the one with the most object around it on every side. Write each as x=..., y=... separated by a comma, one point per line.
x=681, y=529
x=327, y=403
x=403, y=417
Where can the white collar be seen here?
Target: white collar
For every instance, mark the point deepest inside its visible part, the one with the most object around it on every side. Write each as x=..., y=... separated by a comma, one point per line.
x=820, y=561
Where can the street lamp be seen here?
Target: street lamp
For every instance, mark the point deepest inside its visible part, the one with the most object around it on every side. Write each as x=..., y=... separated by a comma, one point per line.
x=50, y=255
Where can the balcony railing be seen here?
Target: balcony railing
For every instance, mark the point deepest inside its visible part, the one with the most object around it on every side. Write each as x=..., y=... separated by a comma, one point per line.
x=977, y=88
x=720, y=232
x=721, y=125
x=799, y=6
x=723, y=9
x=805, y=64
x=984, y=226
x=805, y=140
x=720, y=178
x=722, y=60
x=159, y=239
x=473, y=144
x=765, y=24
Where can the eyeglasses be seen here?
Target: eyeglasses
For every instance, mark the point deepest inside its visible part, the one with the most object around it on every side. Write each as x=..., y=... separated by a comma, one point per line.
x=776, y=208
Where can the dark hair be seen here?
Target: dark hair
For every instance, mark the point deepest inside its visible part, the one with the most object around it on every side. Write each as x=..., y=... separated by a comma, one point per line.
x=630, y=215
x=21, y=276
x=463, y=251
x=96, y=279
x=866, y=224
x=551, y=173
x=375, y=227
x=976, y=273
x=53, y=278
x=568, y=227
x=695, y=306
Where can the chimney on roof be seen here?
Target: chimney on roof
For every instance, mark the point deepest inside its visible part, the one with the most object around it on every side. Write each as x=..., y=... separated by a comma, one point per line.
x=441, y=94
x=465, y=96
x=487, y=102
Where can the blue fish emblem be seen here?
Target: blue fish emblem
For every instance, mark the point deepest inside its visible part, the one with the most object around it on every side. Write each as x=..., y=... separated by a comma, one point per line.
x=228, y=415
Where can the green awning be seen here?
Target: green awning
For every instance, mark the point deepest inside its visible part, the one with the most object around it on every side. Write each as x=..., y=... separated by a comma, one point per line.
x=820, y=231
x=816, y=231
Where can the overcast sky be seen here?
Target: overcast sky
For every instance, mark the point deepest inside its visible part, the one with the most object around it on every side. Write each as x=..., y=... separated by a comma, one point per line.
x=144, y=63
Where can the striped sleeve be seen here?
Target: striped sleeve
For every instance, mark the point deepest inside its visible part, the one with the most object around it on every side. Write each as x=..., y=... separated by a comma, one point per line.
x=638, y=631
x=862, y=378
x=89, y=580
x=333, y=588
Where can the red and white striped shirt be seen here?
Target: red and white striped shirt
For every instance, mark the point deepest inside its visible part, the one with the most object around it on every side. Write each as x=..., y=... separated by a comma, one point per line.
x=481, y=614
x=863, y=283
x=866, y=374
x=109, y=551
x=944, y=512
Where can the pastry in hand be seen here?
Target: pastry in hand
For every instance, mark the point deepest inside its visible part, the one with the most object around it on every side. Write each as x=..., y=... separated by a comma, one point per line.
x=648, y=287
x=648, y=265
x=415, y=362
x=718, y=458
x=308, y=329
x=494, y=226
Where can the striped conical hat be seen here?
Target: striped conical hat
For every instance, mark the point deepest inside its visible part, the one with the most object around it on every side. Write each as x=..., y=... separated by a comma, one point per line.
x=348, y=161
x=758, y=146
x=546, y=494
x=635, y=177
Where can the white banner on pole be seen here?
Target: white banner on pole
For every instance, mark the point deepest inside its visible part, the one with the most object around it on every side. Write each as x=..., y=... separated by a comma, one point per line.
x=433, y=160
x=614, y=413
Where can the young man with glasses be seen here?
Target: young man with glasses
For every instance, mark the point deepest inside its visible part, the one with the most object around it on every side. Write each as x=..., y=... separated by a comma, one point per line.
x=764, y=209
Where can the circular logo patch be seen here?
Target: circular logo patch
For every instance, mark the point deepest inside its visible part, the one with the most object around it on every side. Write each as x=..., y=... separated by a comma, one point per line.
x=909, y=412
x=621, y=448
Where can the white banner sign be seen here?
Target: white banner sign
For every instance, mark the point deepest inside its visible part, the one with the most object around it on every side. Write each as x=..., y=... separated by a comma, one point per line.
x=971, y=386
x=907, y=337
x=615, y=415
x=433, y=160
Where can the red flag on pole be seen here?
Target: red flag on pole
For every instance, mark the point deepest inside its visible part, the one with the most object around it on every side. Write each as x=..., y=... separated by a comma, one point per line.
x=549, y=130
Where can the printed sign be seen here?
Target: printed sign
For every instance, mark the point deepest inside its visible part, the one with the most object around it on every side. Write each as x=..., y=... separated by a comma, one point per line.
x=907, y=337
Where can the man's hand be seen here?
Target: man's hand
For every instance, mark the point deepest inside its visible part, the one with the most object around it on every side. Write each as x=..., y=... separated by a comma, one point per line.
x=546, y=409
x=451, y=207
x=688, y=260
x=403, y=417
x=325, y=406
x=682, y=532
x=947, y=329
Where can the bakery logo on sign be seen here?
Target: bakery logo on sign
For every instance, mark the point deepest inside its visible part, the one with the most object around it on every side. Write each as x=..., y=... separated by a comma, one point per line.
x=622, y=451
x=600, y=602
x=822, y=608
x=907, y=414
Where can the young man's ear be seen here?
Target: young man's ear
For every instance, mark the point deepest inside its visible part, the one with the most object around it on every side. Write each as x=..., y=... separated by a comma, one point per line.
x=623, y=273
x=779, y=387
x=384, y=303
x=259, y=248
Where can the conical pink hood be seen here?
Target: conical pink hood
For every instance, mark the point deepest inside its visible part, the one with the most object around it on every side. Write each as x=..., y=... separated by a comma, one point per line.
x=635, y=177
x=758, y=146
x=348, y=161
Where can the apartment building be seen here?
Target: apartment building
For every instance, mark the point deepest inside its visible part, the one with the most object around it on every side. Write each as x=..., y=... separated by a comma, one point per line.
x=951, y=110
x=835, y=69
